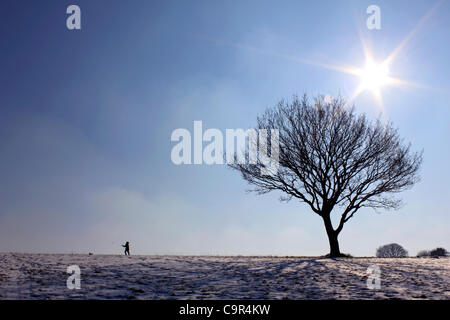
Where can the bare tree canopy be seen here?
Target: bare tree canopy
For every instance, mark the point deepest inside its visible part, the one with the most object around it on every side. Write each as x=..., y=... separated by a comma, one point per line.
x=392, y=250
x=334, y=160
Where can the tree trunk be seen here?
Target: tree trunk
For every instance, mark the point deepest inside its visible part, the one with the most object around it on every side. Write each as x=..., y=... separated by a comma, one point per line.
x=332, y=237
x=334, y=245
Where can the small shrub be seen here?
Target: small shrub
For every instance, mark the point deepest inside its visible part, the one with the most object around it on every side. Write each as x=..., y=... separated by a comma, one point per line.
x=392, y=250
x=438, y=252
x=423, y=253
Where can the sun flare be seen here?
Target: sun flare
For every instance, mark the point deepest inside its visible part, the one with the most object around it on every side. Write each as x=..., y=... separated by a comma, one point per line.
x=374, y=76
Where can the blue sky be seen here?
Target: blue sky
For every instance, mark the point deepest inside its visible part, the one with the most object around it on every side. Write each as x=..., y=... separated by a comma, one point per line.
x=86, y=118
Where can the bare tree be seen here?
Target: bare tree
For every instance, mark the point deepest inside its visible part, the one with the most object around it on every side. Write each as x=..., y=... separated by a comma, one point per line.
x=392, y=250
x=333, y=160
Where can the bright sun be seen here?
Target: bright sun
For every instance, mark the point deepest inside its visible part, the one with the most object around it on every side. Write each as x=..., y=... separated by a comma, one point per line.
x=374, y=76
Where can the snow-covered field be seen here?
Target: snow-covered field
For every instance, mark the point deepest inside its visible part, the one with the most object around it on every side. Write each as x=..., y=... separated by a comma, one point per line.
x=44, y=276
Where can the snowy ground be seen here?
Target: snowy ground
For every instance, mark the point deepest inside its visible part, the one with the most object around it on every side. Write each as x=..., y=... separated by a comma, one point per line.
x=44, y=276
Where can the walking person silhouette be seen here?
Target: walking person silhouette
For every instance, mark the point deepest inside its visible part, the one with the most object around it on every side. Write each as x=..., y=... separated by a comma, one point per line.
x=127, y=248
